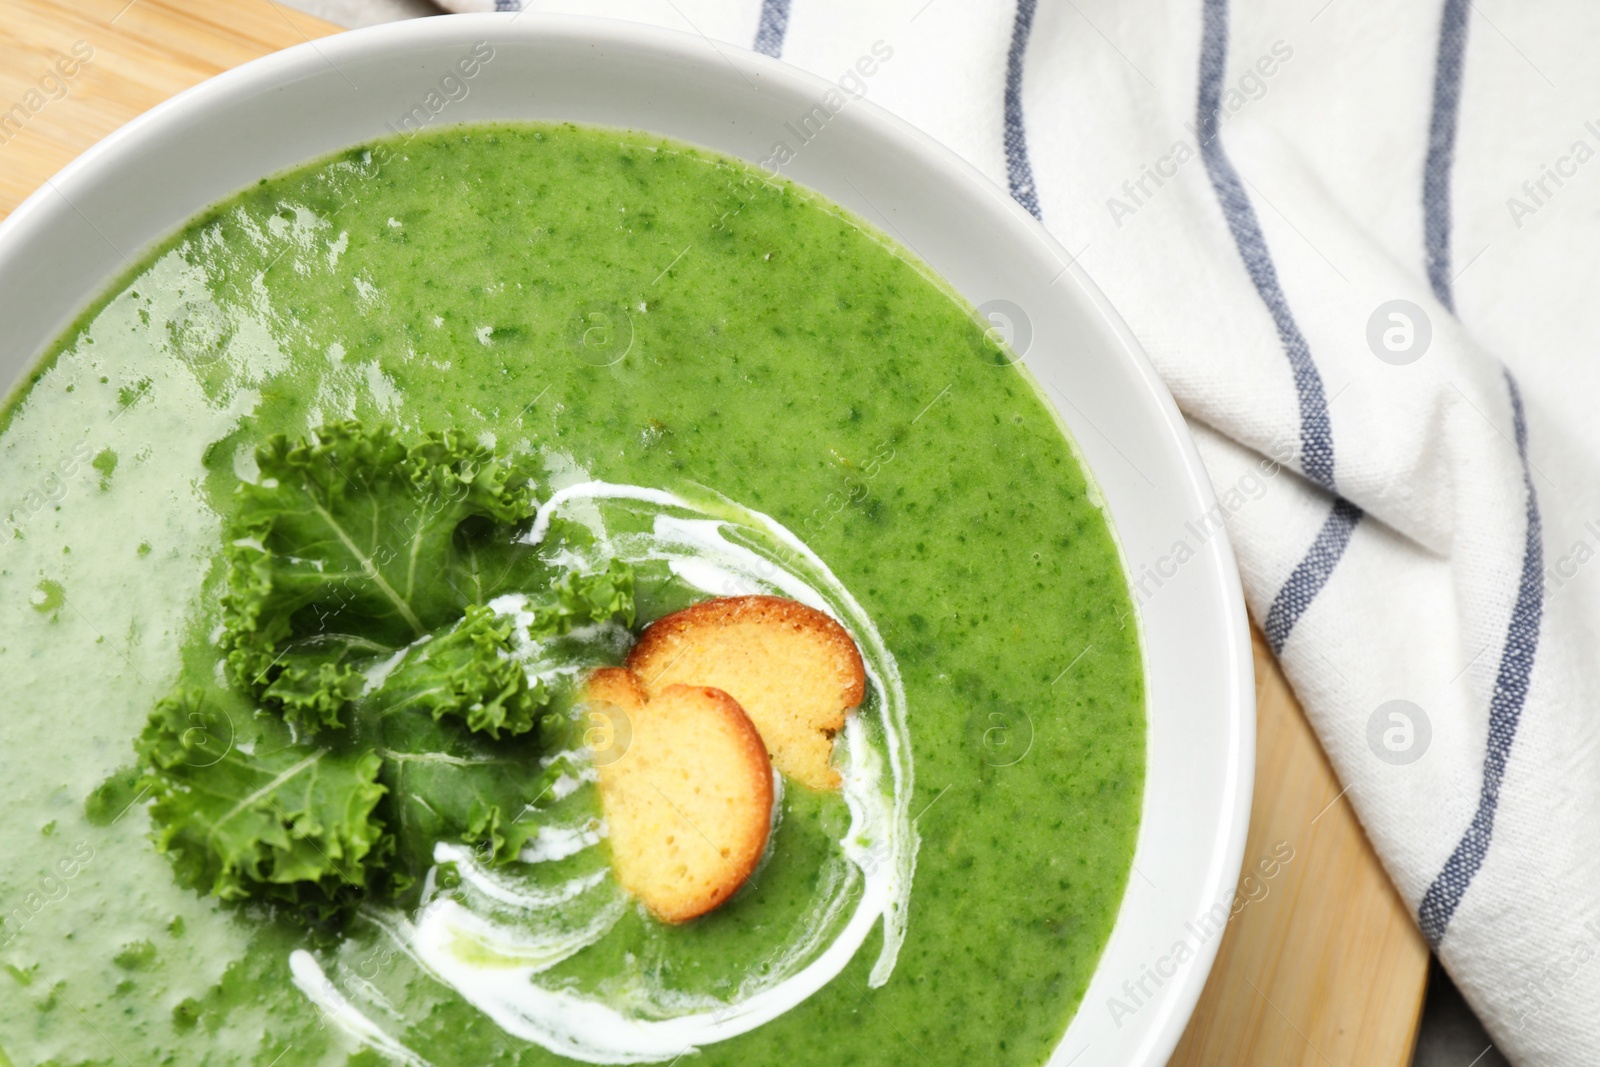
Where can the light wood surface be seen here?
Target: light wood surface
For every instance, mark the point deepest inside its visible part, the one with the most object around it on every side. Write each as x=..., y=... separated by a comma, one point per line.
x=144, y=52
x=1325, y=969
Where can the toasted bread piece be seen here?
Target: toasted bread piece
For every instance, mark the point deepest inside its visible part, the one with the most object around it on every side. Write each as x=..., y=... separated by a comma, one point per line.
x=689, y=803
x=794, y=670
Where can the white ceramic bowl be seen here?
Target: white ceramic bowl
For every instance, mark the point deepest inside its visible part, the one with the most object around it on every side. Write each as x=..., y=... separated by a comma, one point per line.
x=69, y=240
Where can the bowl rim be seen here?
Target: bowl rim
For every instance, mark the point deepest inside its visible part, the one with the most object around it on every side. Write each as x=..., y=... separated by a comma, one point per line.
x=98, y=164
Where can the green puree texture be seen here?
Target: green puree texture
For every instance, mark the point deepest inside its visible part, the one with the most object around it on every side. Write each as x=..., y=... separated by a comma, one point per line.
x=663, y=317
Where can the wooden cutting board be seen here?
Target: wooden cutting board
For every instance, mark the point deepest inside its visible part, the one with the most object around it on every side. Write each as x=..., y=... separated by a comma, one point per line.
x=1325, y=969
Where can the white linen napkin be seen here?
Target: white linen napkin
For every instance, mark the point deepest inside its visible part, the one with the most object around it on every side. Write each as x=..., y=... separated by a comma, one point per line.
x=1361, y=237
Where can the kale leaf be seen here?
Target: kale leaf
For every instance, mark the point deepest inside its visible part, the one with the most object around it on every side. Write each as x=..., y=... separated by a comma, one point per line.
x=243, y=811
x=352, y=542
x=464, y=672
x=580, y=599
x=375, y=702
x=447, y=783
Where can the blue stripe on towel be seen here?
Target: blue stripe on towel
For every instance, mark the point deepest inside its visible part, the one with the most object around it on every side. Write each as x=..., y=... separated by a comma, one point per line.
x=1316, y=433
x=774, y=24
x=1312, y=573
x=1439, y=903
x=1505, y=707
x=1442, y=148
x=1019, y=172
x=1316, y=430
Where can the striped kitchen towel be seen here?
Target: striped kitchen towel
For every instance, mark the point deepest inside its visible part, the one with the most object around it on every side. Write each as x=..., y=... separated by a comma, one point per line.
x=1359, y=236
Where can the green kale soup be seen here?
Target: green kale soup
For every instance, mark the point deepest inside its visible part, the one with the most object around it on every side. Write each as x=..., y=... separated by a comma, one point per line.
x=318, y=519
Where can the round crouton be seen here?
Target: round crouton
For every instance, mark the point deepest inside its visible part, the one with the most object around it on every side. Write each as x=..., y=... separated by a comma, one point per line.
x=689, y=803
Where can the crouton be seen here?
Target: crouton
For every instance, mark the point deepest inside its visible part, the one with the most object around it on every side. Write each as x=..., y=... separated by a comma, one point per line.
x=689, y=802
x=794, y=670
